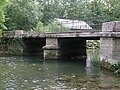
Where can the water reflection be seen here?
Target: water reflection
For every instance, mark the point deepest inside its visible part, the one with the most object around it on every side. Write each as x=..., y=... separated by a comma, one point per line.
x=33, y=73
x=92, y=62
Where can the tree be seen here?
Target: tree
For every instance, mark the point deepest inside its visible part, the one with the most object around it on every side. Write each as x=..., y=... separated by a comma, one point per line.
x=26, y=14
x=23, y=14
x=3, y=3
x=113, y=8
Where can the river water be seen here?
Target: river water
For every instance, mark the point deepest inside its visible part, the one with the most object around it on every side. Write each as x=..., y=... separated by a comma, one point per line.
x=33, y=73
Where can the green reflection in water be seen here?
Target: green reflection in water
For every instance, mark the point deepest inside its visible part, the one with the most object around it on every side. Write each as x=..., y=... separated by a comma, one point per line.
x=33, y=73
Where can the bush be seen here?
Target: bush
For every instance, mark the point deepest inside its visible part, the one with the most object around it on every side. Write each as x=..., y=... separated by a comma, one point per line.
x=52, y=27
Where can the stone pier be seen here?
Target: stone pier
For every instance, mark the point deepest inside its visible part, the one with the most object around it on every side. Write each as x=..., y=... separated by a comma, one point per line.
x=51, y=48
x=65, y=48
x=110, y=46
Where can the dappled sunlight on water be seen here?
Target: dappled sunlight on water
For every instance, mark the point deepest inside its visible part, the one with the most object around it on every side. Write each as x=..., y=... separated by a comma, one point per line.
x=33, y=73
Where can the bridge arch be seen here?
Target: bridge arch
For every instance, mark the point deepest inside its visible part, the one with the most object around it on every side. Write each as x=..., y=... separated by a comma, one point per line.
x=33, y=46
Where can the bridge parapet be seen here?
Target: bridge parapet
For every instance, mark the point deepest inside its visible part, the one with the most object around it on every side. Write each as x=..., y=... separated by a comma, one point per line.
x=15, y=33
x=111, y=26
x=106, y=32
x=72, y=34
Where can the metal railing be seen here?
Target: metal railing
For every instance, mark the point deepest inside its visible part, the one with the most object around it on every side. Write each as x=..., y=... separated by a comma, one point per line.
x=94, y=23
x=91, y=24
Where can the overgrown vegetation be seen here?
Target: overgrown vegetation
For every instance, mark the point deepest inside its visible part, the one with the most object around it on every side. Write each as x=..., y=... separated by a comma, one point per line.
x=116, y=67
x=3, y=3
x=52, y=27
x=13, y=46
x=28, y=14
x=93, y=44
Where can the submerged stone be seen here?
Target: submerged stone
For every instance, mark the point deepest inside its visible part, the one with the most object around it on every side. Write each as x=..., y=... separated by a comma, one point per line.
x=50, y=54
x=64, y=78
x=82, y=80
x=105, y=86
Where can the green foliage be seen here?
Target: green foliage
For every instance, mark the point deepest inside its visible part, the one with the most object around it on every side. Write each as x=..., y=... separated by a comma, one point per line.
x=92, y=44
x=113, y=7
x=1, y=33
x=23, y=14
x=56, y=27
x=3, y=3
x=12, y=46
x=81, y=9
x=27, y=14
x=15, y=46
x=52, y=27
x=39, y=28
x=116, y=67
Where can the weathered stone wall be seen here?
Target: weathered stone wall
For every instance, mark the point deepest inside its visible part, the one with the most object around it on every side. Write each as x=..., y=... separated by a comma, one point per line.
x=110, y=46
x=50, y=41
x=106, y=49
x=16, y=33
x=111, y=26
x=116, y=49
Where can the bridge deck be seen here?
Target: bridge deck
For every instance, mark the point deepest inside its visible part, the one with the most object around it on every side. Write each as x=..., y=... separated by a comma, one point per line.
x=79, y=33
x=73, y=34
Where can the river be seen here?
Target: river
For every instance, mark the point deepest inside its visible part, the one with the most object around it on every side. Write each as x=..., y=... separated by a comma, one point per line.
x=33, y=73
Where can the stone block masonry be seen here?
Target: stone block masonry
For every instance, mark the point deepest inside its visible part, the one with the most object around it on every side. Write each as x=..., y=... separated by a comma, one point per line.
x=110, y=46
x=51, y=48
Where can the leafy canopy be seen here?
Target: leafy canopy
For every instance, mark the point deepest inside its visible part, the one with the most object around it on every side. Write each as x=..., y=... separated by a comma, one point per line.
x=23, y=14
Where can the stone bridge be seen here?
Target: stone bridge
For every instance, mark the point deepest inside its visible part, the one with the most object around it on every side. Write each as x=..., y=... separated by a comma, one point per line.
x=72, y=44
